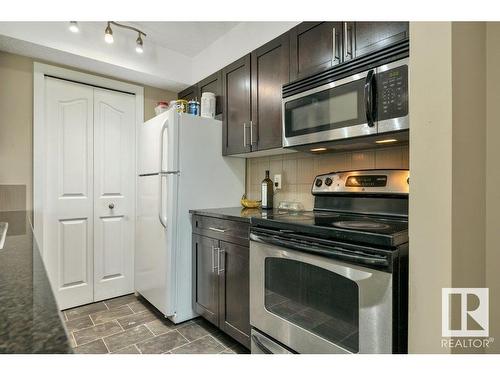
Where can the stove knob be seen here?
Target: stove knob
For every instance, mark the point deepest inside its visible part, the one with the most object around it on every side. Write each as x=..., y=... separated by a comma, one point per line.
x=328, y=181
x=318, y=182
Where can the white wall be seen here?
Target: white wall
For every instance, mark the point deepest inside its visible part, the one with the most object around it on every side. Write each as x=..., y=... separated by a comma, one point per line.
x=16, y=119
x=493, y=178
x=430, y=210
x=241, y=40
x=447, y=224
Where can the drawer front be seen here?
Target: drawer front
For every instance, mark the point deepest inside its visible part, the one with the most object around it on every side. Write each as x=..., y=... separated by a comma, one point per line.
x=222, y=229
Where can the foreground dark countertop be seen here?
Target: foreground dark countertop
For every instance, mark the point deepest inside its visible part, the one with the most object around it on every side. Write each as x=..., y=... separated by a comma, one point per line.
x=233, y=213
x=30, y=321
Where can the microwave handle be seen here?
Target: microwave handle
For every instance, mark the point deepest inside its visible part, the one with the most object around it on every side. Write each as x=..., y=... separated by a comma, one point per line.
x=370, y=98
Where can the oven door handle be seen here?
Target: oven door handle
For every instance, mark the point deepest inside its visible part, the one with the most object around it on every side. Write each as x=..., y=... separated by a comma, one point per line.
x=332, y=252
x=260, y=345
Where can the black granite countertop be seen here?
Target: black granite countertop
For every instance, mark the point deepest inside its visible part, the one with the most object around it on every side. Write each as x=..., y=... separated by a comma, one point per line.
x=233, y=213
x=30, y=321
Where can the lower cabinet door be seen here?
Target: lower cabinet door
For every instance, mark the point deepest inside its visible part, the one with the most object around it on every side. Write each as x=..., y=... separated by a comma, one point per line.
x=205, y=283
x=234, y=291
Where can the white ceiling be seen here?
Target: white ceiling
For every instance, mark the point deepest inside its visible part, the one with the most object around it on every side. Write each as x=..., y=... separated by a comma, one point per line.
x=176, y=54
x=188, y=38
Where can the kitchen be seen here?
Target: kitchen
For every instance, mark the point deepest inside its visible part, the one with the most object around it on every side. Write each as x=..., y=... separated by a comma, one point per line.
x=266, y=207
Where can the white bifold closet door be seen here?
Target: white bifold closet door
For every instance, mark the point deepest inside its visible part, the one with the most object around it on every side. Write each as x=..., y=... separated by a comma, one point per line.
x=89, y=192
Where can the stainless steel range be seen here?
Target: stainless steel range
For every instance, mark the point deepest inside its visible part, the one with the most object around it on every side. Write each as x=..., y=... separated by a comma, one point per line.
x=334, y=280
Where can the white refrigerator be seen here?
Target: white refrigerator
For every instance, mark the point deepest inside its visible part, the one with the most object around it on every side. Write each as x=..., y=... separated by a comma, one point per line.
x=180, y=167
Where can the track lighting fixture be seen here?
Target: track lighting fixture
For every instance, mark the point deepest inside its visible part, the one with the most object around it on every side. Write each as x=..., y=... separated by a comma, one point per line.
x=73, y=27
x=108, y=34
x=139, y=44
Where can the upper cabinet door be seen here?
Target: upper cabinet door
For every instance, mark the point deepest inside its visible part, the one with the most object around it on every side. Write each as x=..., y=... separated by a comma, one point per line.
x=237, y=107
x=314, y=46
x=213, y=83
x=191, y=93
x=270, y=70
x=365, y=37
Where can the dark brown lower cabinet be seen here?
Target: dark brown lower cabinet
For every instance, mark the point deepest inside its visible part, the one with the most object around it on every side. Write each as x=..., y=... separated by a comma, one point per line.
x=234, y=292
x=221, y=285
x=207, y=281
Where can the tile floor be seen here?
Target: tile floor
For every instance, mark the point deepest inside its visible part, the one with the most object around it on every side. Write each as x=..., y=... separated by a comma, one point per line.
x=130, y=325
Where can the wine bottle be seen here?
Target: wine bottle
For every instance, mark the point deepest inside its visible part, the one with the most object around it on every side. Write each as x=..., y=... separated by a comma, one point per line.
x=266, y=191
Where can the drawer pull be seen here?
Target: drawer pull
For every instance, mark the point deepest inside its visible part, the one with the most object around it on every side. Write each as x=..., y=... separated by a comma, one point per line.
x=217, y=230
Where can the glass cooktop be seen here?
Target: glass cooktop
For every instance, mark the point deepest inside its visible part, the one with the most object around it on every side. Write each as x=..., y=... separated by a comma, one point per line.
x=358, y=227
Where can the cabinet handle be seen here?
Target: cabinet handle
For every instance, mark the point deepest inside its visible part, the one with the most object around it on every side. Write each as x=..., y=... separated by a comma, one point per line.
x=335, y=59
x=217, y=229
x=244, y=134
x=214, y=267
x=219, y=252
x=347, y=42
x=251, y=134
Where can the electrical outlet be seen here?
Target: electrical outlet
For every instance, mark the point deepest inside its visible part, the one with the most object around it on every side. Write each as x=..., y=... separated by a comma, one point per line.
x=277, y=182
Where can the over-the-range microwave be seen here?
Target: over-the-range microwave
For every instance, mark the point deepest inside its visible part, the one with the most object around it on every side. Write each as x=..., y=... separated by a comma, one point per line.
x=359, y=110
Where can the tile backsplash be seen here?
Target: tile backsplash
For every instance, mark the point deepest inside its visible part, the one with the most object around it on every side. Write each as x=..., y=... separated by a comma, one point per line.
x=299, y=169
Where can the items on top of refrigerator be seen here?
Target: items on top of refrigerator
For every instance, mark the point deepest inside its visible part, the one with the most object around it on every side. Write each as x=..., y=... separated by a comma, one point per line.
x=193, y=107
x=180, y=105
x=208, y=102
x=161, y=107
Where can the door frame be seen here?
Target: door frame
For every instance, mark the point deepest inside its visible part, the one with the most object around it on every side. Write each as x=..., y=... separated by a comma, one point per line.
x=41, y=70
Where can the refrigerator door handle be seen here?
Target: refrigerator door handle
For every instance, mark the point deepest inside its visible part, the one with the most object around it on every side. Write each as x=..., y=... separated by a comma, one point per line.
x=163, y=218
x=164, y=127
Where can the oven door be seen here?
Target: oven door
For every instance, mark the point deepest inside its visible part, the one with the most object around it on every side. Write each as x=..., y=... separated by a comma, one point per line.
x=317, y=304
x=338, y=110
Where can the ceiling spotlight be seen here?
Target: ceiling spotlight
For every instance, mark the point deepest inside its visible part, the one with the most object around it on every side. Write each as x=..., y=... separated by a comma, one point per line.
x=139, y=44
x=73, y=27
x=108, y=35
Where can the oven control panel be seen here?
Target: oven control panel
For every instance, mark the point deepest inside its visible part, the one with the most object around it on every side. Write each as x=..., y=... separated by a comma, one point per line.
x=383, y=181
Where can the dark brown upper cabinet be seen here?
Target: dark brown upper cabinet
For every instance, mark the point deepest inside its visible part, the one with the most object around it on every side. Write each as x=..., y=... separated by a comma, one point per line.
x=314, y=46
x=191, y=93
x=237, y=107
x=270, y=68
x=213, y=83
x=366, y=37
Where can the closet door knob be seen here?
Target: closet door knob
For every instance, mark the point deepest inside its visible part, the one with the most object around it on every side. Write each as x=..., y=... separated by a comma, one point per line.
x=111, y=206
